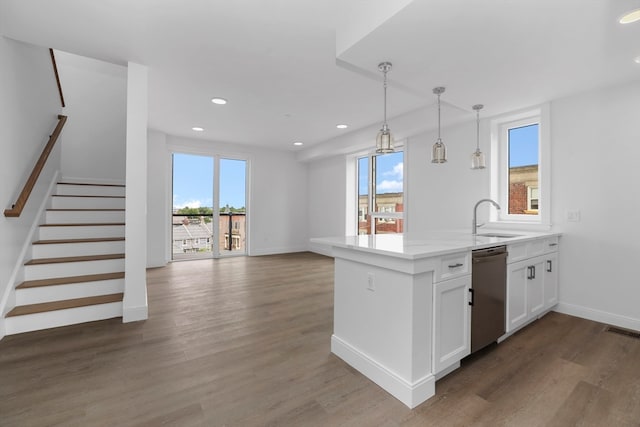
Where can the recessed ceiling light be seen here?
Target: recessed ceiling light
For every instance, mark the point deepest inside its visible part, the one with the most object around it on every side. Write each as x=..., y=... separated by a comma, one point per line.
x=341, y=126
x=197, y=129
x=298, y=143
x=630, y=17
x=219, y=101
x=637, y=60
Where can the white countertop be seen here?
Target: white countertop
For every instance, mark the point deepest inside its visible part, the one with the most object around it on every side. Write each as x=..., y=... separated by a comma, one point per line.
x=428, y=245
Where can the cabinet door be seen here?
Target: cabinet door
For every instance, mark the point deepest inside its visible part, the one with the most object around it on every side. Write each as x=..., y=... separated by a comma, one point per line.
x=517, y=311
x=535, y=286
x=452, y=340
x=551, y=280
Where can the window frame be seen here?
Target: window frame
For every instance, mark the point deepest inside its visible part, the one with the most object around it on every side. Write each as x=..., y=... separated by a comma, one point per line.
x=500, y=168
x=354, y=214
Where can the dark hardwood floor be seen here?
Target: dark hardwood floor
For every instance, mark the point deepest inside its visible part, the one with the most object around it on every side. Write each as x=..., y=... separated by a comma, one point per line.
x=245, y=342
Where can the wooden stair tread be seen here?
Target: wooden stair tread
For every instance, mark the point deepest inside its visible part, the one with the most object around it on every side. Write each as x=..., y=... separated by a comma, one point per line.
x=95, y=185
x=40, y=261
x=81, y=224
x=64, y=304
x=88, y=195
x=84, y=210
x=90, y=240
x=70, y=280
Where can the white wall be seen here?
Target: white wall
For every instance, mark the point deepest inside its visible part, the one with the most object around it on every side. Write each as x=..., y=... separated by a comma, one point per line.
x=326, y=199
x=95, y=95
x=158, y=181
x=277, y=203
x=436, y=196
x=595, y=152
x=442, y=196
x=29, y=106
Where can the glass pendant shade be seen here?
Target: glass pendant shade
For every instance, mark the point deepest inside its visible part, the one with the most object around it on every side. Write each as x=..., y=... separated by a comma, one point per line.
x=384, y=141
x=439, y=150
x=477, y=160
x=477, y=157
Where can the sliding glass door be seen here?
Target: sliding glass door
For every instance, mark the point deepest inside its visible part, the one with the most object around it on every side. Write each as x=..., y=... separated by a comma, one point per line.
x=209, y=207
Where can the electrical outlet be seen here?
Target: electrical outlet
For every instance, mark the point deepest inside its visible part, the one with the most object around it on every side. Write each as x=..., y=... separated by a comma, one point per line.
x=573, y=215
x=371, y=282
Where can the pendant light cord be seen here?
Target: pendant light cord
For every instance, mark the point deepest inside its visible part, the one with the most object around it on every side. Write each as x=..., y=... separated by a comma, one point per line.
x=477, y=130
x=439, y=139
x=385, y=99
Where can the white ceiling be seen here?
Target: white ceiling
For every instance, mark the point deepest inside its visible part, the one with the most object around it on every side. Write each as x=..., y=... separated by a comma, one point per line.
x=276, y=62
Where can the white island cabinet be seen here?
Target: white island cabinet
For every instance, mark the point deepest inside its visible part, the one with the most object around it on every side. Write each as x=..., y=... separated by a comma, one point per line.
x=401, y=307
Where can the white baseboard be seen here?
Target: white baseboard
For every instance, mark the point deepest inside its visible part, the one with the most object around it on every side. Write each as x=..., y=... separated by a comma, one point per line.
x=277, y=250
x=411, y=394
x=135, y=314
x=599, y=316
x=320, y=249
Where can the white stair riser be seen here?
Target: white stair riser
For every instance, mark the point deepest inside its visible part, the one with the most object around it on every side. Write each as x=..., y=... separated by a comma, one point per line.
x=65, y=269
x=65, y=202
x=54, y=319
x=77, y=217
x=58, y=250
x=68, y=291
x=89, y=190
x=80, y=232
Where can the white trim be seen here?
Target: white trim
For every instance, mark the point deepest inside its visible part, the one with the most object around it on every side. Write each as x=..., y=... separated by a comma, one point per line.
x=9, y=292
x=411, y=394
x=278, y=250
x=598, y=316
x=499, y=175
x=135, y=314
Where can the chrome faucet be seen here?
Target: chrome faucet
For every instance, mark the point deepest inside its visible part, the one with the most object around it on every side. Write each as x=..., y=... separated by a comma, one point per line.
x=474, y=226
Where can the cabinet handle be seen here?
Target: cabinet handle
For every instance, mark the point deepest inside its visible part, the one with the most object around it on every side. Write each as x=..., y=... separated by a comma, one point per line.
x=531, y=272
x=549, y=266
x=553, y=244
x=471, y=296
x=456, y=265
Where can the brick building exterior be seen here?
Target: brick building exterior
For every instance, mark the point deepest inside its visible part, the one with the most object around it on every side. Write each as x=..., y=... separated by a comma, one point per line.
x=523, y=190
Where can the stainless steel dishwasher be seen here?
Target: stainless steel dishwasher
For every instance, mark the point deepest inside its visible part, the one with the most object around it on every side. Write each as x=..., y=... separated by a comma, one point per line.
x=488, y=296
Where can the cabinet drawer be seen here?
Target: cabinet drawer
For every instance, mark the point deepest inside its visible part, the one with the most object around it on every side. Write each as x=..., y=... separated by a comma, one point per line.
x=551, y=244
x=517, y=252
x=451, y=266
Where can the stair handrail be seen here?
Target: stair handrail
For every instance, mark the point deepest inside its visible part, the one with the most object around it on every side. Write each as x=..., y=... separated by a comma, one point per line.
x=55, y=72
x=18, y=206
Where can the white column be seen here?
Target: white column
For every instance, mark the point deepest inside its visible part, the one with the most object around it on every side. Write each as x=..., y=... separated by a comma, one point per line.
x=135, y=287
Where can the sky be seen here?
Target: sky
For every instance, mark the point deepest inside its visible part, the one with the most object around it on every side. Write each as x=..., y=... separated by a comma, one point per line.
x=523, y=146
x=193, y=181
x=389, y=173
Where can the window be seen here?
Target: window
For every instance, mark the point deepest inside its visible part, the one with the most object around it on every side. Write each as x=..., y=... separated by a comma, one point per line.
x=519, y=182
x=380, y=195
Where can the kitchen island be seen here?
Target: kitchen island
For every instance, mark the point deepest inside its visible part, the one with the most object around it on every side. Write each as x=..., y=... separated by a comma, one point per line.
x=401, y=305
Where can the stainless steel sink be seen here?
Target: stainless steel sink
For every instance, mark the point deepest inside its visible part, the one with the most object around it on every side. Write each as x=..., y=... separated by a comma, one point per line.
x=500, y=235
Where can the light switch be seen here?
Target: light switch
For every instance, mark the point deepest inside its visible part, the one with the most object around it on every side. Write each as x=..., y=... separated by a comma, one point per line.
x=573, y=215
x=371, y=283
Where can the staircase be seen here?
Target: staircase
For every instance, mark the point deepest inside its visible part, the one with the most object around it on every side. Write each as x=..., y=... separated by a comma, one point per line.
x=76, y=270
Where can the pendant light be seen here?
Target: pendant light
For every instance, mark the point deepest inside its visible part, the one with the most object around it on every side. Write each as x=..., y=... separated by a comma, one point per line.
x=477, y=158
x=439, y=151
x=384, y=140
